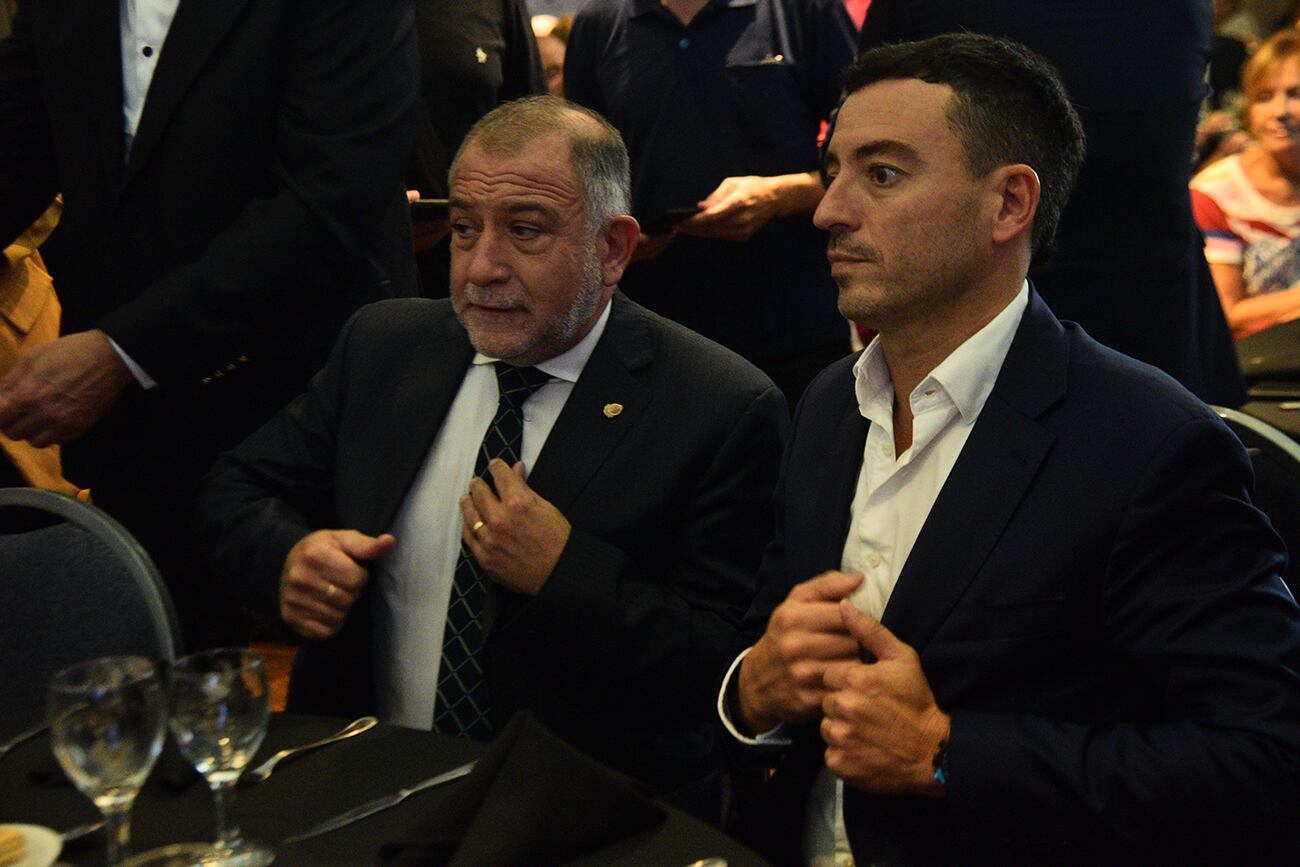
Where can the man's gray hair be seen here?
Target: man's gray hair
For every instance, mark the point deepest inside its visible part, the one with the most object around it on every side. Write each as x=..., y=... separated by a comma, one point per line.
x=599, y=156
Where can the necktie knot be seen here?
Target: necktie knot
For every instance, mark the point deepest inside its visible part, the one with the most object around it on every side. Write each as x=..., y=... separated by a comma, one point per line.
x=516, y=384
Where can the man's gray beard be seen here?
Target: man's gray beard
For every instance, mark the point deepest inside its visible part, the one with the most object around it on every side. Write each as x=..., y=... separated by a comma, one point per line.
x=559, y=331
x=585, y=302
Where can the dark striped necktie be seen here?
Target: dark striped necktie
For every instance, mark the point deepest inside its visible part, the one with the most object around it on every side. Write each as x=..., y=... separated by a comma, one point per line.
x=461, y=707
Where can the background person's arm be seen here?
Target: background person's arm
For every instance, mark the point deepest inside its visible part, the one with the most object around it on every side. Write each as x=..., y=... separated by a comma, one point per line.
x=1247, y=314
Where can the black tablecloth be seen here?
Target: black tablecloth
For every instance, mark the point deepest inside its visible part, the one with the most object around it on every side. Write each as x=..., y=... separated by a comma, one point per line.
x=175, y=805
x=1271, y=411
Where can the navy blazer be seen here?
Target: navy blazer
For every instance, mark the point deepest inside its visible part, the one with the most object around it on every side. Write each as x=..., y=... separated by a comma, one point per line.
x=1095, y=601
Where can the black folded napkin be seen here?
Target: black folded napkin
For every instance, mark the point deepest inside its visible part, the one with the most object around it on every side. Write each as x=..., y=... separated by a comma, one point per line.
x=531, y=800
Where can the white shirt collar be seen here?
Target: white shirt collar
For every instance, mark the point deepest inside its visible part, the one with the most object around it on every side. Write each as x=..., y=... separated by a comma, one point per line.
x=567, y=365
x=966, y=375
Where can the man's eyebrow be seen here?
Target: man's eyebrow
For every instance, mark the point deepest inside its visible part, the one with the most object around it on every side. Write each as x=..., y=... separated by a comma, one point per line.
x=881, y=147
x=530, y=207
x=520, y=206
x=885, y=147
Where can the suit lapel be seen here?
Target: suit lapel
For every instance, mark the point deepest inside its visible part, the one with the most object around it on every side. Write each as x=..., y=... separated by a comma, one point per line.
x=996, y=467
x=834, y=491
x=195, y=33
x=588, y=428
x=92, y=67
x=422, y=398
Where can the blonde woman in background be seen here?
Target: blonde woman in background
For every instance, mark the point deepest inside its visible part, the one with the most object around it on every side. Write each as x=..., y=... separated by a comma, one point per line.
x=1248, y=205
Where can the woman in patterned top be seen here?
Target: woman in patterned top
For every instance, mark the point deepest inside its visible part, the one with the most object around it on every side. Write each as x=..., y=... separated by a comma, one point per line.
x=1248, y=205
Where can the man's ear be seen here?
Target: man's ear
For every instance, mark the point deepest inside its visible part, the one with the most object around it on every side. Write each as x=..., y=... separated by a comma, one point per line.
x=1019, y=190
x=620, y=239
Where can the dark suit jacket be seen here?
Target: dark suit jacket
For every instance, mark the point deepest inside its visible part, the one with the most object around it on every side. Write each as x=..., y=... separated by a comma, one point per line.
x=1129, y=267
x=1096, y=603
x=670, y=503
x=262, y=203
x=457, y=88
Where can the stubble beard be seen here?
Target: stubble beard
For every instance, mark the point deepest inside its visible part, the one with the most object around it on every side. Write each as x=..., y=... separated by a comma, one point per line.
x=857, y=306
x=557, y=334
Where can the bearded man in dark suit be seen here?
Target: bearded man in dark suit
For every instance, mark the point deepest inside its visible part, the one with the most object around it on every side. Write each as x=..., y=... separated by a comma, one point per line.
x=232, y=179
x=537, y=495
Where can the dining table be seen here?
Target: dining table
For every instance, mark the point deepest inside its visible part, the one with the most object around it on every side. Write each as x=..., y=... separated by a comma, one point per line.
x=175, y=804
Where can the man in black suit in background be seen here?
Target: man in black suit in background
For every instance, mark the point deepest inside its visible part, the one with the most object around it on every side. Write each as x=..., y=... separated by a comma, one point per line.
x=1128, y=264
x=474, y=55
x=595, y=569
x=232, y=179
x=1019, y=608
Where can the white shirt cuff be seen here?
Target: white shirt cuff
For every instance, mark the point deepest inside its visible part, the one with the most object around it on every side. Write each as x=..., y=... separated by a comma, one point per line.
x=146, y=381
x=772, y=737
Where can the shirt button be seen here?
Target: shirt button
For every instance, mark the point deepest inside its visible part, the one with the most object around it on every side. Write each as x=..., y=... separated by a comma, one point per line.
x=886, y=450
x=147, y=51
x=684, y=43
x=873, y=559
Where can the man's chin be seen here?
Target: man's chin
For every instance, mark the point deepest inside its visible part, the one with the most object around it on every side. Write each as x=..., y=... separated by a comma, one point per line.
x=506, y=347
x=859, y=309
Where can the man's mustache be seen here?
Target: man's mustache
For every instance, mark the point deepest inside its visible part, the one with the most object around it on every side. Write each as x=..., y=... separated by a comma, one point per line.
x=844, y=244
x=485, y=297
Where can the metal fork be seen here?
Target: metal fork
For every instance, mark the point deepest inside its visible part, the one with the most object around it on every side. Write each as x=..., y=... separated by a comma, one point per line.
x=352, y=729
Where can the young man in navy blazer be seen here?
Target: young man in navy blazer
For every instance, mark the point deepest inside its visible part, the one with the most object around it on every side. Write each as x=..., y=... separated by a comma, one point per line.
x=1019, y=607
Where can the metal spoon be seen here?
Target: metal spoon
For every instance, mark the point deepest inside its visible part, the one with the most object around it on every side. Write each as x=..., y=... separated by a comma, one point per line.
x=262, y=771
x=80, y=831
x=22, y=737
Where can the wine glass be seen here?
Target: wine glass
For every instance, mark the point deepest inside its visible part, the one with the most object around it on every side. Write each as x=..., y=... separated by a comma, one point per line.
x=219, y=708
x=107, y=719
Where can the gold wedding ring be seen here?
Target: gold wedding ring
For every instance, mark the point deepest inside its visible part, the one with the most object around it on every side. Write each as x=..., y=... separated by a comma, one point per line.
x=331, y=591
x=477, y=525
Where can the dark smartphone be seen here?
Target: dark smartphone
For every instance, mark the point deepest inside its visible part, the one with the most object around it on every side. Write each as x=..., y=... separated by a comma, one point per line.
x=429, y=209
x=663, y=222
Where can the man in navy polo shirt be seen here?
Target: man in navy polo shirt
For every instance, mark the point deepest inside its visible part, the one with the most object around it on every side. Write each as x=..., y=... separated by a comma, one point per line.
x=720, y=102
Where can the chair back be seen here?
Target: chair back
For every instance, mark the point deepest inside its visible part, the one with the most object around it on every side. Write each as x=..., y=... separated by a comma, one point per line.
x=1276, y=458
x=74, y=584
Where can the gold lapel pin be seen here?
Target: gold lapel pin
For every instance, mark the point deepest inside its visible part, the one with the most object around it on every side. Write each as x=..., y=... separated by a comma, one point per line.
x=612, y=409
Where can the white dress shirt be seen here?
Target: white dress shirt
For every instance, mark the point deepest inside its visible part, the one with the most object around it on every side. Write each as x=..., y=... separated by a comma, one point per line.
x=893, y=499
x=413, y=584
x=143, y=26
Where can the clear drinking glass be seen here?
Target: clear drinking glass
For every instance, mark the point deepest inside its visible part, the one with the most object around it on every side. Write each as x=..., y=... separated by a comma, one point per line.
x=219, y=708
x=107, y=718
